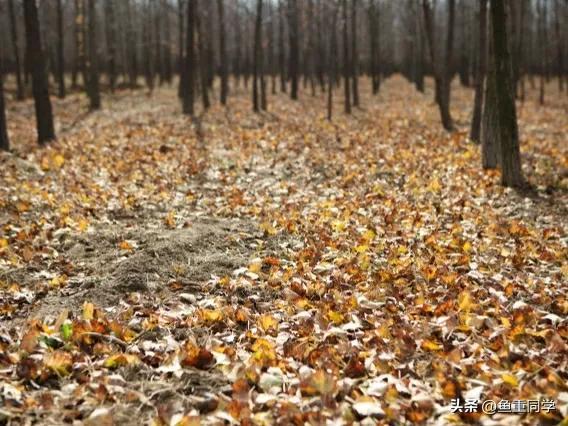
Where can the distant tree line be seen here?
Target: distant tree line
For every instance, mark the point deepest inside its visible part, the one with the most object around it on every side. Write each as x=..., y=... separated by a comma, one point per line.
x=287, y=46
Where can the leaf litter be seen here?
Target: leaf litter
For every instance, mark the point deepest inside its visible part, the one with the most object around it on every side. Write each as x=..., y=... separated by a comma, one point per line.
x=279, y=268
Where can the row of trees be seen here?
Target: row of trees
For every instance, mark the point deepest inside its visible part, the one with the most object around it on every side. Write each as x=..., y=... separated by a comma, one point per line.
x=284, y=45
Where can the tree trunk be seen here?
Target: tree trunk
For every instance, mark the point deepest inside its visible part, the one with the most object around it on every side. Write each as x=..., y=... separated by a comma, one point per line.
x=131, y=46
x=281, y=48
x=346, y=62
x=4, y=141
x=15, y=48
x=332, y=63
x=354, y=54
x=111, y=43
x=93, y=90
x=511, y=172
x=257, y=57
x=441, y=76
x=475, y=132
x=542, y=47
x=222, y=53
x=201, y=47
x=167, y=43
x=43, y=112
x=149, y=47
x=189, y=62
x=293, y=31
x=489, y=122
x=60, y=51
x=181, y=60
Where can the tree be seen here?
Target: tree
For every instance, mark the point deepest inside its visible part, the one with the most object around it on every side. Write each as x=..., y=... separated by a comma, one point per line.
x=80, y=36
x=510, y=158
x=442, y=75
x=258, y=76
x=346, y=61
x=373, y=14
x=111, y=43
x=4, y=141
x=222, y=53
x=475, y=131
x=43, y=112
x=294, y=56
x=60, y=51
x=332, y=64
x=354, y=54
x=16, y=49
x=93, y=90
x=203, y=55
x=281, y=48
x=188, y=77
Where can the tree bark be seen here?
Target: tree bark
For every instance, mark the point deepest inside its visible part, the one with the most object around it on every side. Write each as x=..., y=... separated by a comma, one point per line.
x=201, y=47
x=441, y=76
x=223, y=53
x=111, y=43
x=354, y=54
x=15, y=48
x=475, y=132
x=257, y=57
x=346, y=62
x=43, y=112
x=294, y=59
x=60, y=51
x=332, y=63
x=93, y=90
x=189, y=62
x=281, y=48
x=511, y=172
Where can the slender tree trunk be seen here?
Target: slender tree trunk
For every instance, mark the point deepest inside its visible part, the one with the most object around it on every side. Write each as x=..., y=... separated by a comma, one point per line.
x=346, y=62
x=43, y=112
x=181, y=59
x=332, y=63
x=543, y=47
x=511, y=172
x=60, y=51
x=4, y=141
x=281, y=47
x=93, y=90
x=201, y=47
x=475, y=132
x=15, y=48
x=149, y=47
x=223, y=52
x=441, y=76
x=374, y=45
x=293, y=31
x=257, y=57
x=189, y=63
x=131, y=46
x=354, y=54
x=111, y=43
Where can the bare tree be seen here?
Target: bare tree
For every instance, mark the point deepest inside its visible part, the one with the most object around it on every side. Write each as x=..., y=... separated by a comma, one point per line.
x=354, y=54
x=16, y=49
x=188, y=76
x=4, y=141
x=510, y=158
x=346, y=61
x=223, y=52
x=294, y=57
x=43, y=112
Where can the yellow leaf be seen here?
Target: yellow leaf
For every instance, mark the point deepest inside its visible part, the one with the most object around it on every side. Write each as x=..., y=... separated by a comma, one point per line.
x=58, y=161
x=255, y=266
x=3, y=243
x=338, y=225
x=430, y=345
x=120, y=360
x=88, y=311
x=267, y=322
x=59, y=362
x=510, y=379
x=362, y=248
x=212, y=315
x=336, y=317
x=83, y=225
x=464, y=301
x=435, y=185
x=467, y=247
x=369, y=235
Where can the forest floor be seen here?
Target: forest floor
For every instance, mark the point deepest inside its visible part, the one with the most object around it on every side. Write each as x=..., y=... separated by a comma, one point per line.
x=278, y=267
